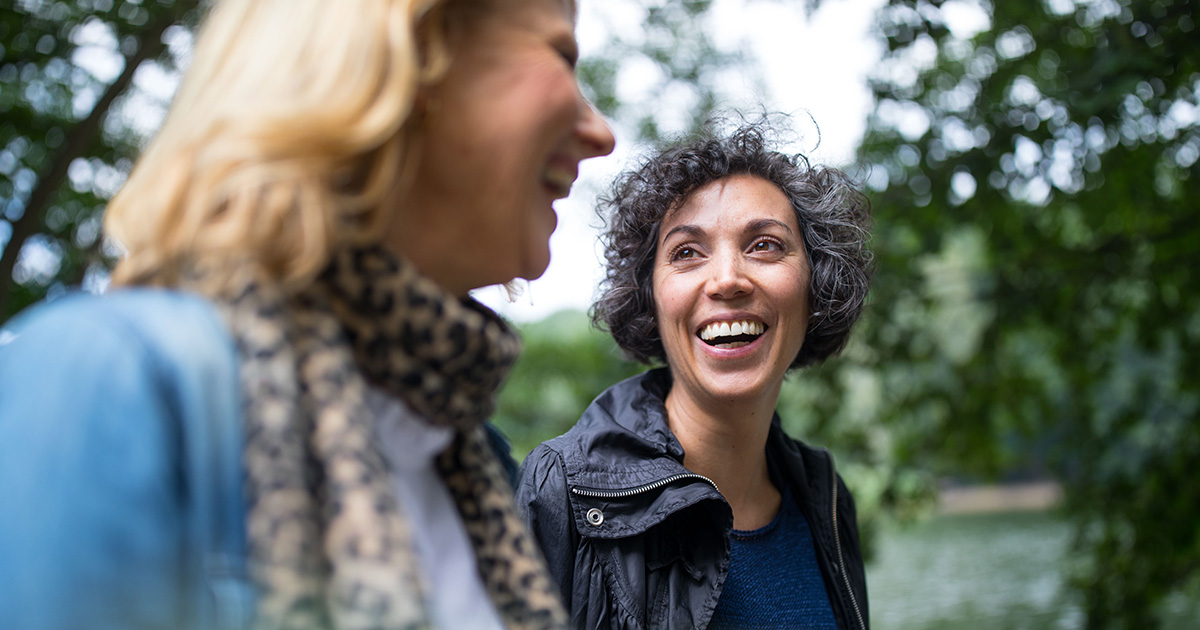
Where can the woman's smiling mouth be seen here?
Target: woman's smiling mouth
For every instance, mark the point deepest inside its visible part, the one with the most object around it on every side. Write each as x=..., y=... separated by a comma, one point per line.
x=730, y=335
x=558, y=178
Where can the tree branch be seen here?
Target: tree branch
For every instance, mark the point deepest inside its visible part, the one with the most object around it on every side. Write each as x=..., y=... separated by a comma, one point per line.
x=78, y=141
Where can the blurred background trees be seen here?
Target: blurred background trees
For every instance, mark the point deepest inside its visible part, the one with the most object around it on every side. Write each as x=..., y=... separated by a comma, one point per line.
x=1036, y=309
x=70, y=130
x=1038, y=303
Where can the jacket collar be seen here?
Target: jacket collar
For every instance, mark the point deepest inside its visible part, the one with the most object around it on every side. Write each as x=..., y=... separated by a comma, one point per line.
x=623, y=438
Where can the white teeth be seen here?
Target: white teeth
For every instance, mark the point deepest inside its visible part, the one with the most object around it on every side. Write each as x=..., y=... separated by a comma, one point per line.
x=559, y=179
x=731, y=329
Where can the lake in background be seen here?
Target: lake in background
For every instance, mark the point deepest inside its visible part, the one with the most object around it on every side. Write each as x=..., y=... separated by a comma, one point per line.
x=992, y=571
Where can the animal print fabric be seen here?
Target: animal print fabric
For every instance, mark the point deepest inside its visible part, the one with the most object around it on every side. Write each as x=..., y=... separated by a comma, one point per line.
x=329, y=546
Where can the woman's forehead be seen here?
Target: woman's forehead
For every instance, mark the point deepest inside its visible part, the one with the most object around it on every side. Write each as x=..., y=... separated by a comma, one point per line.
x=730, y=199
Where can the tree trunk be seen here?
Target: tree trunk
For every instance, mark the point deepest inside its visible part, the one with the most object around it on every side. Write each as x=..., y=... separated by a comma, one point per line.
x=78, y=141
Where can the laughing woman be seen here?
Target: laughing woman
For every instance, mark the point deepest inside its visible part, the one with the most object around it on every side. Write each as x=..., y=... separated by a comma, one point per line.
x=677, y=501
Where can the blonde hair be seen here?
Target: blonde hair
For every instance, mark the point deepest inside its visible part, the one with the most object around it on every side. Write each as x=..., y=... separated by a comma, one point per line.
x=287, y=139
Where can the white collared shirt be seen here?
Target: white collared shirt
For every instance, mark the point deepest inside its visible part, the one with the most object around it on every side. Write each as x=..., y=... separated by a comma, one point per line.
x=456, y=597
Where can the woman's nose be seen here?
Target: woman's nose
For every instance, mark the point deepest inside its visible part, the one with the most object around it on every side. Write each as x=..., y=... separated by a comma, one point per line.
x=728, y=278
x=595, y=134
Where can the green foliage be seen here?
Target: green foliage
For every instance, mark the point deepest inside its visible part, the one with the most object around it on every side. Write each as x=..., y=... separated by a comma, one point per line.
x=840, y=406
x=564, y=364
x=55, y=130
x=671, y=50
x=1037, y=295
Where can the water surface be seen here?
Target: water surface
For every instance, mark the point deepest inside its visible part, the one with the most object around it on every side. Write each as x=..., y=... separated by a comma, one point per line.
x=983, y=572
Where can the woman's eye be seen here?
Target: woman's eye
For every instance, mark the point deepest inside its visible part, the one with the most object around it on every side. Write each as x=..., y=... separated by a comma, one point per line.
x=683, y=253
x=569, y=56
x=765, y=246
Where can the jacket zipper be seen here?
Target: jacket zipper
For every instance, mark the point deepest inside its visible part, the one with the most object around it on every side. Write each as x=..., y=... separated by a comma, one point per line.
x=837, y=542
x=620, y=494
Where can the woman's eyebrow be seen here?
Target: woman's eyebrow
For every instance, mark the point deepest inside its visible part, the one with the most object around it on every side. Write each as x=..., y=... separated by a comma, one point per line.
x=687, y=229
x=762, y=224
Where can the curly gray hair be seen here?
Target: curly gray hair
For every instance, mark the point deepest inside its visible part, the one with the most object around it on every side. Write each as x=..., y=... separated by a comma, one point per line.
x=834, y=219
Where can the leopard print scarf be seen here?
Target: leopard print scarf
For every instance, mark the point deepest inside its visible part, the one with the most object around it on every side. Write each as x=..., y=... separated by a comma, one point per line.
x=329, y=547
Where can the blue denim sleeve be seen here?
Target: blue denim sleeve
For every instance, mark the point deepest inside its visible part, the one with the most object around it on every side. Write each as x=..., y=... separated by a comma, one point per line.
x=503, y=450
x=97, y=518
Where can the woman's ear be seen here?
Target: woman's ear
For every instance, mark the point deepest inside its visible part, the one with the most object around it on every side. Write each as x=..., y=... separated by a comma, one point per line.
x=433, y=39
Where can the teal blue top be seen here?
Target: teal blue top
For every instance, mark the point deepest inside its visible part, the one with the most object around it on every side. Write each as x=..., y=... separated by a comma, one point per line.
x=120, y=466
x=774, y=580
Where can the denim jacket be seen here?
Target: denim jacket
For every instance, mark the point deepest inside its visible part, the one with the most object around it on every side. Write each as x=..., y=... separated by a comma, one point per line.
x=120, y=466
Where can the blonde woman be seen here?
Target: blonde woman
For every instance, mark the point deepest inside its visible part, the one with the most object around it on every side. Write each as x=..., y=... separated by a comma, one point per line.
x=276, y=418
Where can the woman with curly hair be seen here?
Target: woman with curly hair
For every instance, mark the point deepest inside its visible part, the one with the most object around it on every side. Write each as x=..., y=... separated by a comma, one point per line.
x=677, y=501
x=276, y=417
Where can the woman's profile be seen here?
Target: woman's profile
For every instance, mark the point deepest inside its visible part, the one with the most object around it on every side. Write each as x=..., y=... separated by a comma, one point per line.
x=276, y=416
x=677, y=501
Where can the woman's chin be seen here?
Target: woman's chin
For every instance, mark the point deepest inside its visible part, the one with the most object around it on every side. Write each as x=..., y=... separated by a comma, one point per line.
x=728, y=386
x=535, y=267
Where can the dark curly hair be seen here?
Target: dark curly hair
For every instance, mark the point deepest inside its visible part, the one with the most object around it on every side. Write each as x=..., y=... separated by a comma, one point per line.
x=834, y=219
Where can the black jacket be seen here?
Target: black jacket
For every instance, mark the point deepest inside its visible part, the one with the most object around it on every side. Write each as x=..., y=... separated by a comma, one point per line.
x=635, y=540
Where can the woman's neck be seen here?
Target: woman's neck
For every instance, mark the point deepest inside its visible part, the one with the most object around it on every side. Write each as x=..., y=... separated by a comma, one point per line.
x=727, y=443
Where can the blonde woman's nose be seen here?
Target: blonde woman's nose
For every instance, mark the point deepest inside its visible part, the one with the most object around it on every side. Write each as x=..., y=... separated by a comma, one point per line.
x=593, y=132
